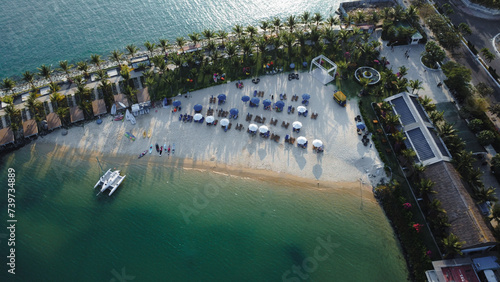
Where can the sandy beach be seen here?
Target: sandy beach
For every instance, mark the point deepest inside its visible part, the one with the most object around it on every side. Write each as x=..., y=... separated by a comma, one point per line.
x=345, y=158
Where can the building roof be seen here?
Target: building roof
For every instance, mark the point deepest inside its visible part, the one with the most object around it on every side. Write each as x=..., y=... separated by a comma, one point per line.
x=420, y=132
x=6, y=136
x=459, y=269
x=120, y=98
x=485, y=263
x=463, y=215
x=99, y=107
x=143, y=95
x=76, y=114
x=30, y=128
x=53, y=121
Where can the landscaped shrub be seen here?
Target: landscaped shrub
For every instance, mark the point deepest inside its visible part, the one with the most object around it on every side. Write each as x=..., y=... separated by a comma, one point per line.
x=486, y=137
x=476, y=125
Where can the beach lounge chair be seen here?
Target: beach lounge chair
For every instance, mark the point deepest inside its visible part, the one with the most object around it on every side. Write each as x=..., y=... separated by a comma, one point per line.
x=180, y=117
x=277, y=138
x=229, y=126
x=287, y=137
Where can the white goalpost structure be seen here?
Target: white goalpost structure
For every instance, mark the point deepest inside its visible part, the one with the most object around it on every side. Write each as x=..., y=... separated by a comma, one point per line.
x=319, y=72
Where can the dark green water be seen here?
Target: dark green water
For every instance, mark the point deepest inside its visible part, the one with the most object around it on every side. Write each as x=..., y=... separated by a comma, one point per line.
x=238, y=230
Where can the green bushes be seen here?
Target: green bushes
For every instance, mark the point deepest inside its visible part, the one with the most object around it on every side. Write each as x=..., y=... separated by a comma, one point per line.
x=486, y=137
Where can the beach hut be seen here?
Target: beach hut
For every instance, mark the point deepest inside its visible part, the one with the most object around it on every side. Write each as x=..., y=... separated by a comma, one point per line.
x=197, y=117
x=253, y=127
x=6, y=136
x=197, y=108
x=53, y=121
x=30, y=128
x=143, y=95
x=99, y=107
x=224, y=122
x=297, y=125
x=76, y=114
x=245, y=98
x=301, y=109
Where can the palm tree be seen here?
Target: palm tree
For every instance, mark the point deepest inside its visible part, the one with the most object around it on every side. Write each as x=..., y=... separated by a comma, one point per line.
x=33, y=105
x=463, y=162
x=238, y=29
x=8, y=84
x=231, y=51
x=317, y=18
x=63, y=113
x=13, y=114
x=83, y=67
x=131, y=49
x=436, y=116
x=223, y=36
x=425, y=188
x=447, y=131
x=125, y=74
x=29, y=77
x=150, y=47
x=96, y=60
x=131, y=94
x=364, y=82
x=46, y=72
x=277, y=24
x=403, y=70
x=483, y=195
x=331, y=21
x=247, y=48
x=399, y=137
x=411, y=14
x=409, y=155
x=291, y=23
x=418, y=169
x=116, y=56
x=391, y=121
x=452, y=246
x=66, y=67
x=180, y=42
x=209, y=34
x=305, y=17
x=264, y=25
x=426, y=102
x=163, y=45
x=416, y=85
x=251, y=30
x=261, y=45
x=289, y=39
x=360, y=17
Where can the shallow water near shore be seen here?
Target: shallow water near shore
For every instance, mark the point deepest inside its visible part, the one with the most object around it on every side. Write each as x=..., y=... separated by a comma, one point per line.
x=172, y=224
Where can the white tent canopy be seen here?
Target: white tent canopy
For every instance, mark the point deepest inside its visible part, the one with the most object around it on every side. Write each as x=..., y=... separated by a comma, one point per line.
x=297, y=124
x=301, y=109
x=317, y=143
x=253, y=127
x=263, y=129
x=210, y=119
x=323, y=69
x=301, y=140
x=224, y=122
x=197, y=117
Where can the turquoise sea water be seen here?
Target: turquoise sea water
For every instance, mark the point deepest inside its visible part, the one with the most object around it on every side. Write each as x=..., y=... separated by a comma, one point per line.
x=45, y=32
x=172, y=224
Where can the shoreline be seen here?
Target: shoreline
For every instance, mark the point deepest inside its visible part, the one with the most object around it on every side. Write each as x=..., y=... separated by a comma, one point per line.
x=345, y=159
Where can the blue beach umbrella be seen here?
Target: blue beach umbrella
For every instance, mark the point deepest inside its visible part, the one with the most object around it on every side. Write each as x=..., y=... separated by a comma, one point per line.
x=267, y=102
x=233, y=112
x=222, y=97
x=292, y=65
x=255, y=100
x=360, y=125
x=280, y=104
x=197, y=107
x=245, y=98
x=306, y=96
x=176, y=103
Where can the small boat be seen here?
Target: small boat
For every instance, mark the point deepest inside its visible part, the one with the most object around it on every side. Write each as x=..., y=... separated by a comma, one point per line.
x=161, y=150
x=169, y=150
x=144, y=134
x=173, y=148
x=130, y=136
x=150, y=149
x=142, y=154
x=149, y=133
x=165, y=147
x=118, y=117
x=157, y=148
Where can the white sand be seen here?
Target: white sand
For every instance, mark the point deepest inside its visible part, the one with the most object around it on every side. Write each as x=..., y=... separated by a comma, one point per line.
x=345, y=158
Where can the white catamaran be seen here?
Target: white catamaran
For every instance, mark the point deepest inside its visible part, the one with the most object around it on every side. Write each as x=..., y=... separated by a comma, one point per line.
x=109, y=180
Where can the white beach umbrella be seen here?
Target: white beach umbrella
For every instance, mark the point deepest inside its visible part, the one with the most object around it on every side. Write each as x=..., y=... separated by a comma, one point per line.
x=197, y=117
x=210, y=119
x=253, y=127
x=317, y=143
x=297, y=125
x=224, y=122
x=263, y=129
x=301, y=109
x=301, y=140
